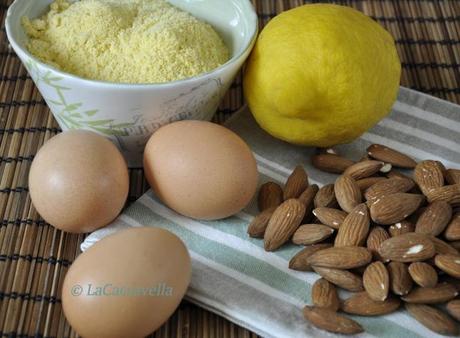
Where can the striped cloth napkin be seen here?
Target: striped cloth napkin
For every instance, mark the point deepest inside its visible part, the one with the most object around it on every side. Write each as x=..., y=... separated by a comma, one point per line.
x=232, y=274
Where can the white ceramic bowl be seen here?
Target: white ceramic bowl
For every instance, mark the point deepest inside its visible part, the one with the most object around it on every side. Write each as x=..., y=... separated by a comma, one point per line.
x=129, y=113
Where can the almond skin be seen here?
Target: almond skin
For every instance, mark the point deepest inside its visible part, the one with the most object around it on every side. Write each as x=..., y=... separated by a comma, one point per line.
x=423, y=274
x=429, y=175
x=256, y=228
x=376, y=237
x=361, y=304
x=388, y=187
x=388, y=155
x=296, y=183
x=376, y=281
x=368, y=182
x=342, y=278
x=341, y=257
x=300, y=260
x=347, y=193
x=331, y=163
x=355, y=227
x=311, y=233
x=394, y=208
x=433, y=318
x=453, y=307
x=434, y=218
x=452, y=176
x=400, y=280
x=270, y=195
x=442, y=247
x=283, y=223
x=397, y=174
x=307, y=197
x=452, y=232
x=324, y=294
x=330, y=321
x=400, y=228
x=441, y=293
x=447, y=193
x=325, y=197
x=330, y=217
x=410, y=247
x=450, y=264
x=363, y=169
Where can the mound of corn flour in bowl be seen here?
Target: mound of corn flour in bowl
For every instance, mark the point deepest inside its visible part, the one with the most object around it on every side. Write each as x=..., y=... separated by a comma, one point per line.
x=126, y=41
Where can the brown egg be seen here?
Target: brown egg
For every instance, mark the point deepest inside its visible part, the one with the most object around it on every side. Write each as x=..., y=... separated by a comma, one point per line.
x=200, y=169
x=126, y=285
x=78, y=181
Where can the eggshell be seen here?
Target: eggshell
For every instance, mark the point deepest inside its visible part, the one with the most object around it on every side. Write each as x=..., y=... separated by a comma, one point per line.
x=144, y=263
x=78, y=181
x=200, y=169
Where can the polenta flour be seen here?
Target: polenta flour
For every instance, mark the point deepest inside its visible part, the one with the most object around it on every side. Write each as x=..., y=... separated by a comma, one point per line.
x=130, y=41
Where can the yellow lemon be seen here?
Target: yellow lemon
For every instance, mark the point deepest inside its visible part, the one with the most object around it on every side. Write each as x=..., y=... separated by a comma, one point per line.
x=321, y=75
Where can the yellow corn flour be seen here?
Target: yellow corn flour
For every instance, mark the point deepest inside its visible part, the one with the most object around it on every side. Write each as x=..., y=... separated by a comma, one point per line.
x=130, y=41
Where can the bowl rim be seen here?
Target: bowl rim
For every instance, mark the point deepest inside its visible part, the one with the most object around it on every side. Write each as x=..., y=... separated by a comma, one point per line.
x=254, y=29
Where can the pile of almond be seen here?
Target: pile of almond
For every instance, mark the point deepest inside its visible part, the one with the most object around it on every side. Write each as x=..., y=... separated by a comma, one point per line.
x=389, y=238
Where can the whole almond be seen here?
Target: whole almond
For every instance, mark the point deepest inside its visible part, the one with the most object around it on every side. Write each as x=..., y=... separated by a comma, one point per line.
x=434, y=218
x=331, y=163
x=452, y=176
x=400, y=280
x=423, y=274
x=376, y=237
x=325, y=197
x=307, y=197
x=341, y=257
x=433, y=318
x=397, y=174
x=363, y=169
x=442, y=247
x=452, y=232
x=331, y=321
x=388, y=155
x=441, y=293
x=453, y=307
x=324, y=294
x=270, y=195
x=450, y=264
x=330, y=217
x=311, y=233
x=376, y=281
x=447, y=193
x=400, y=228
x=394, y=208
x=451, y=280
x=347, y=193
x=429, y=175
x=299, y=261
x=455, y=245
x=342, y=278
x=283, y=223
x=410, y=247
x=361, y=304
x=296, y=183
x=366, y=183
x=355, y=227
x=388, y=187
x=256, y=228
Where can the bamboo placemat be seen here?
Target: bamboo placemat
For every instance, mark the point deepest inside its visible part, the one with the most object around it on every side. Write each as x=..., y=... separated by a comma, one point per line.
x=34, y=257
